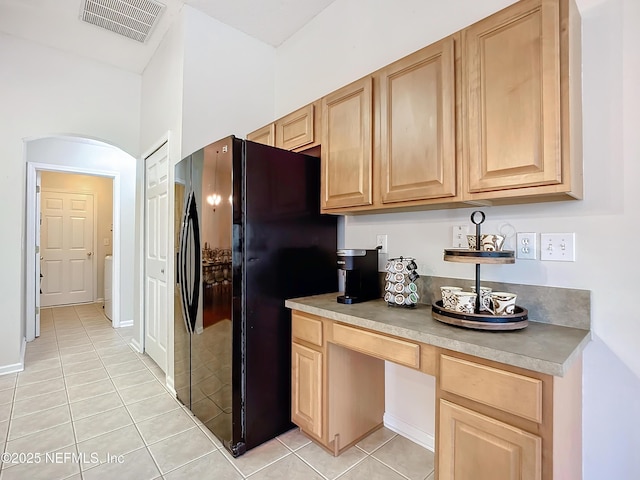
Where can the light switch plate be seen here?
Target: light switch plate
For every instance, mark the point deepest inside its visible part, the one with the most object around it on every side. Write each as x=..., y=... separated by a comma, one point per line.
x=459, y=236
x=558, y=247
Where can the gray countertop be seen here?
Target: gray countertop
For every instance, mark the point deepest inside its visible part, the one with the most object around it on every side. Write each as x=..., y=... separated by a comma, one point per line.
x=540, y=347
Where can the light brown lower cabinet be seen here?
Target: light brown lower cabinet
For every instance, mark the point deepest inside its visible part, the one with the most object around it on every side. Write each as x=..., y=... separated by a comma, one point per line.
x=476, y=447
x=493, y=421
x=306, y=392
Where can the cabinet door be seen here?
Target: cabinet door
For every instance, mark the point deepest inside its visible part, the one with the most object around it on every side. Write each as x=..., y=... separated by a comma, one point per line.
x=476, y=447
x=512, y=85
x=296, y=129
x=306, y=389
x=347, y=146
x=417, y=125
x=265, y=135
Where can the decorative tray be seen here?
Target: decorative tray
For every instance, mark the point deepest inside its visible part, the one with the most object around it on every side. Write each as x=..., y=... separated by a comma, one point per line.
x=464, y=255
x=480, y=321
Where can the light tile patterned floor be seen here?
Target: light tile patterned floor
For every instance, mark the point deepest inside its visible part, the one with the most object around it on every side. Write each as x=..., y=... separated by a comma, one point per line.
x=86, y=397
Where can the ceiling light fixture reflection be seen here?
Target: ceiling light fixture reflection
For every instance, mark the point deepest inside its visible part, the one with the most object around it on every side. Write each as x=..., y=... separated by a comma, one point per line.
x=214, y=200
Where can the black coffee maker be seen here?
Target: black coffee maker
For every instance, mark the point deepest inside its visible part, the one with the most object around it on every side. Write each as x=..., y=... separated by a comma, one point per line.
x=361, y=275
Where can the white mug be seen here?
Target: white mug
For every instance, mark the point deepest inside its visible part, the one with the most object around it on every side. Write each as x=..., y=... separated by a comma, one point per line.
x=485, y=298
x=464, y=302
x=503, y=303
x=447, y=296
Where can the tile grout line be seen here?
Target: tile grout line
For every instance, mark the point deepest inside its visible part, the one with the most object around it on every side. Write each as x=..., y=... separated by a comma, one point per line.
x=145, y=446
x=64, y=380
x=6, y=435
x=34, y=383
x=311, y=466
x=263, y=467
x=117, y=391
x=82, y=323
x=15, y=392
x=11, y=410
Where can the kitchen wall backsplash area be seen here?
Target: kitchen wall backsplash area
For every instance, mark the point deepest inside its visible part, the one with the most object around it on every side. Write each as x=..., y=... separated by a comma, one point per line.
x=560, y=306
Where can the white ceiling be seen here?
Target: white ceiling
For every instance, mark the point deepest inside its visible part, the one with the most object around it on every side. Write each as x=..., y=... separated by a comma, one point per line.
x=57, y=23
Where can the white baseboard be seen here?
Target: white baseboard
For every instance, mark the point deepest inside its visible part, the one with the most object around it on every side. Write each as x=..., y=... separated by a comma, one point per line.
x=136, y=345
x=170, y=385
x=16, y=367
x=422, y=438
x=125, y=323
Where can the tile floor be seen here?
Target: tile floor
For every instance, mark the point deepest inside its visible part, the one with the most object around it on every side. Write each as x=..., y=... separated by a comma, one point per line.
x=101, y=411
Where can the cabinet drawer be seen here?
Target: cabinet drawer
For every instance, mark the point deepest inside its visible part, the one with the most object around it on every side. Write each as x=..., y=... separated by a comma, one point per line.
x=306, y=328
x=376, y=345
x=507, y=391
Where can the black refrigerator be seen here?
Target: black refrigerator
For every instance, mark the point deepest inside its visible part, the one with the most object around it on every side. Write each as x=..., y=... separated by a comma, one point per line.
x=248, y=235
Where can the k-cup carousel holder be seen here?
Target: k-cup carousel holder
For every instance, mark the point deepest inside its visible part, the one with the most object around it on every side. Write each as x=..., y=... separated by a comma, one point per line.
x=400, y=287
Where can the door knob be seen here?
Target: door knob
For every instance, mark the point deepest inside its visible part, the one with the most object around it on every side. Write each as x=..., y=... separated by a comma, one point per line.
x=162, y=270
x=89, y=254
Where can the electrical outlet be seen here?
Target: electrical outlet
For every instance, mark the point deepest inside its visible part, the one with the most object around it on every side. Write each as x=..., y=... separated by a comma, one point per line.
x=381, y=241
x=459, y=236
x=558, y=247
x=526, y=246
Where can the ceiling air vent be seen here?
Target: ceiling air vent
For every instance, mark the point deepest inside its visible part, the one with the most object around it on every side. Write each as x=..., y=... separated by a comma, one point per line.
x=131, y=18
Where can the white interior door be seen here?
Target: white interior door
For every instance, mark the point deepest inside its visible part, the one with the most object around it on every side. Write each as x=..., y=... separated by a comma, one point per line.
x=156, y=236
x=66, y=247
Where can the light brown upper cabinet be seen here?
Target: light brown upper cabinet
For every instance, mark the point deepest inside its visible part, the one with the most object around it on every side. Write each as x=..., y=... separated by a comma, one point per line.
x=265, y=135
x=490, y=114
x=347, y=143
x=417, y=125
x=522, y=94
x=414, y=160
x=297, y=131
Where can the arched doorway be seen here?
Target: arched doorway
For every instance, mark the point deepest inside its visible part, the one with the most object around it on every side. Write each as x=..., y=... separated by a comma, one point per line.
x=77, y=155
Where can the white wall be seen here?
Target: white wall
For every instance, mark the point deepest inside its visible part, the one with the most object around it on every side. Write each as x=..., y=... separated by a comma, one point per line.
x=160, y=118
x=228, y=82
x=46, y=92
x=352, y=38
x=161, y=96
x=206, y=81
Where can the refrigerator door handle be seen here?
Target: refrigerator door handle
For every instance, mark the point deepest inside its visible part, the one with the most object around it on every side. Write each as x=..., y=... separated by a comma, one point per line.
x=182, y=265
x=197, y=263
x=190, y=285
